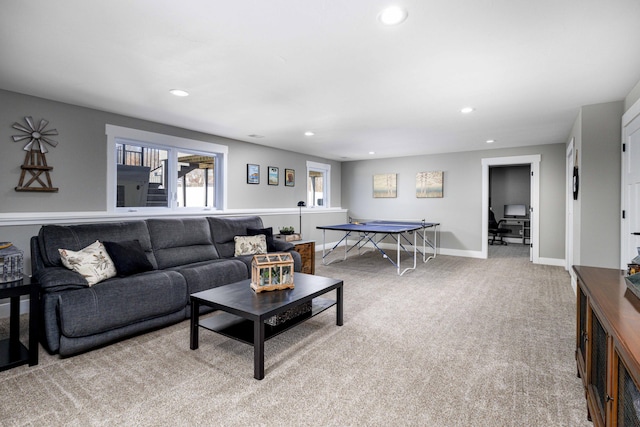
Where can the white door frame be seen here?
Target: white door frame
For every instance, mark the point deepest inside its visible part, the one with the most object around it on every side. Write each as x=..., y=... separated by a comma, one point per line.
x=627, y=119
x=570, y=162
x=534, y=161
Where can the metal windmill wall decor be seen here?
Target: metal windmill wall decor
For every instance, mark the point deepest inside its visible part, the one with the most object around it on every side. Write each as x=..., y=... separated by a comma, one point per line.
x=35, y=161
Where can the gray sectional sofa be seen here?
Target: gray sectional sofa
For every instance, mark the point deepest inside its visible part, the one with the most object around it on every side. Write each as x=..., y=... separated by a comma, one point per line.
x=184, y=256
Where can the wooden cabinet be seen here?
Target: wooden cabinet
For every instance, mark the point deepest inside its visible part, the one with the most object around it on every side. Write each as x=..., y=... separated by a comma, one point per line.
x=608, y=346
x=307, y=251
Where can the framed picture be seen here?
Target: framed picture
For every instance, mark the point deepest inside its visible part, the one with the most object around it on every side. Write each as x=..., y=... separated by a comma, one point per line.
x=253, y=174
x=289, y=177
x=384, y=185
x=274, y=175
x=429, y=184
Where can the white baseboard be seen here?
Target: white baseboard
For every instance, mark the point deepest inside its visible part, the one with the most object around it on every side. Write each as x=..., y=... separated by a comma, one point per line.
x=443, y=251
x=460, y=253
x=552, y=261
x=392, y=246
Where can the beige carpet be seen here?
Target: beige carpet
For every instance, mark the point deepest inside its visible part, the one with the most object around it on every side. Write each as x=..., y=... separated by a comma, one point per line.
x=458, y=342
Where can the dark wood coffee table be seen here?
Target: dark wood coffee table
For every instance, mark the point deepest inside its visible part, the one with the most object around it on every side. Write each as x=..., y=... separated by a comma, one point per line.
x=245, y=311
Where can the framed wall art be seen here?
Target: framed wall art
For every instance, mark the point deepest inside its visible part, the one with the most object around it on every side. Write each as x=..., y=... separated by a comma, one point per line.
x=429, y=184
x=253, y=174
x=289, y=177
x=384, y=185
x=274, y=178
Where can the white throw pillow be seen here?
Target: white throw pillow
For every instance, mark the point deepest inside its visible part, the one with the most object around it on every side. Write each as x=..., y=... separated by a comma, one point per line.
x=250, y=245
x=92, y=262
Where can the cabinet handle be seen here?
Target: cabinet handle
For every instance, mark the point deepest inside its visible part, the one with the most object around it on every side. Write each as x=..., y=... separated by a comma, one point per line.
x=608, y=398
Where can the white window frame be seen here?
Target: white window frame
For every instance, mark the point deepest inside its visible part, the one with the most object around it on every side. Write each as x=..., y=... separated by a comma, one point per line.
x=325, y=169
x=173, y=144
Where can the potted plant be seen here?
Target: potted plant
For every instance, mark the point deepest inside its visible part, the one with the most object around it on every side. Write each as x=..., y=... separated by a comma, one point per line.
x=287, y=230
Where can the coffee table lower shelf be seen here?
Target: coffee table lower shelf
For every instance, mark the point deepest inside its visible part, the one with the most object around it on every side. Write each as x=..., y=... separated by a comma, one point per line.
x=241, y=329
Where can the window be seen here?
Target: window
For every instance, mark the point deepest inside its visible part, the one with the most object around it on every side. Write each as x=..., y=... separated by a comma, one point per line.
x=318, y=181
x=196, y=180
x=148, y=171
x=141, y=176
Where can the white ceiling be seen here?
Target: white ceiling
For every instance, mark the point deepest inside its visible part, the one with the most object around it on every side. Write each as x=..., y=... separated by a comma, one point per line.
x=278, y=68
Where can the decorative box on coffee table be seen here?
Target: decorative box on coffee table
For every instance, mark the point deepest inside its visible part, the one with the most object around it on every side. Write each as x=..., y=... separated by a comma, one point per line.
x=271, y=272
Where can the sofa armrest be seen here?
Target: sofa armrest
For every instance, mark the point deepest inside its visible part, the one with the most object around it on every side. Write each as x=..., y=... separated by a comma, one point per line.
x=55, y=279
x=282, y=246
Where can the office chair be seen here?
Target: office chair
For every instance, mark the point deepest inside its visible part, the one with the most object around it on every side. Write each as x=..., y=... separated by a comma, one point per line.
x=495, y=230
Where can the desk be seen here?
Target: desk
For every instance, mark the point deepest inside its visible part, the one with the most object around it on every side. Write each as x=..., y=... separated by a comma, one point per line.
x=366, y=232
x=523, y=223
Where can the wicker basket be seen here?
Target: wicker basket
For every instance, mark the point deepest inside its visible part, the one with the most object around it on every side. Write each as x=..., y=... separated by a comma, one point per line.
x=271, y=272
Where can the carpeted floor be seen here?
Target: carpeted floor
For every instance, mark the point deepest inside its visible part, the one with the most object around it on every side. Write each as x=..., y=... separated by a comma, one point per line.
x=458, y=342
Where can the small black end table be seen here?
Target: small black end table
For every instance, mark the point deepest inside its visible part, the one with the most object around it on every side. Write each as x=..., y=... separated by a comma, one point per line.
x=12, y=352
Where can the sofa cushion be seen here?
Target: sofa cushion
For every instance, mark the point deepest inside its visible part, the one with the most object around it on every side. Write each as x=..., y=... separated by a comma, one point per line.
x=250, y=245
x=224, y=229
x=75, y=237
x=92, y=262
x=206, y=275
x=121, y=301
x=268, y=234
x=181, y=241
x=129, y=257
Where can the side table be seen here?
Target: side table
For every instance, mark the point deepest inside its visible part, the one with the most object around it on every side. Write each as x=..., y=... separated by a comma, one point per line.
x=307, y=251
x=12, y=352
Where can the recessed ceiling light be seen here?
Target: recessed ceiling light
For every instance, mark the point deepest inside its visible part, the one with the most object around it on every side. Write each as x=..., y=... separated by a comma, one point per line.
x=309, y=133
x=372, y=152
x=179, y=92
x=466, y=110
x=490, y=141
x=393, y=15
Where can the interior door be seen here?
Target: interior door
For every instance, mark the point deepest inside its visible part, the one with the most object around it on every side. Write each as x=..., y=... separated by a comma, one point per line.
x=631, y=187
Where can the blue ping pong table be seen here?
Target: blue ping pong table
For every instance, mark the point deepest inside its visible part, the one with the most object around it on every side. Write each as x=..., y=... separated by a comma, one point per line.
x=375, y=231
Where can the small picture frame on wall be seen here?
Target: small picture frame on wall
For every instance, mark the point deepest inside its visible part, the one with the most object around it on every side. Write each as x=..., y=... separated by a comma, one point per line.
x=253, y=174
x=289, y=178
x=274, y=178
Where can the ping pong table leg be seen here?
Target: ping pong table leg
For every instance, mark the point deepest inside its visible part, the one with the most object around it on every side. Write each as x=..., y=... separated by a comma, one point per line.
x=398, y=257
x=346, y=244
x=415, y=255
x=324, y=245
x=426, y=241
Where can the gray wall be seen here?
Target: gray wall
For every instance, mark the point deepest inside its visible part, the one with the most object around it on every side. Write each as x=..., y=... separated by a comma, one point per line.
x=460, y=210
x=79, y=171
x=79, y=166
x=597, y=133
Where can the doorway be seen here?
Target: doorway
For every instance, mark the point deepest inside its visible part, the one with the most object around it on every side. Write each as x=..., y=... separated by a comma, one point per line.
x=533, y=161
x=630, y=180
x=509, y=200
